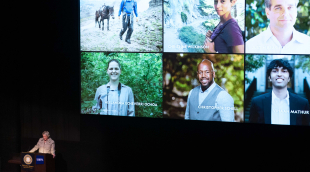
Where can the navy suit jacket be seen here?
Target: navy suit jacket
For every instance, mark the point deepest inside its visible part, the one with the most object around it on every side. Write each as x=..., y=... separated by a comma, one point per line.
x=260, y=111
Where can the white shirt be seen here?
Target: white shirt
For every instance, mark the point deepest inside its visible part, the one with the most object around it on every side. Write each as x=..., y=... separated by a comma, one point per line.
x=280, y=110
x=203, y=95
x=267, y=43
x=223, y=100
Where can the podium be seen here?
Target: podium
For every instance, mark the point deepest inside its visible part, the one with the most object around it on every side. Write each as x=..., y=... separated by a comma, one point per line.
x=35, y=162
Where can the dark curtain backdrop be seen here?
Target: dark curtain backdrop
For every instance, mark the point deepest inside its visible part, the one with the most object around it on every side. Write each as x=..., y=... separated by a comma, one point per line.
x=49, y=73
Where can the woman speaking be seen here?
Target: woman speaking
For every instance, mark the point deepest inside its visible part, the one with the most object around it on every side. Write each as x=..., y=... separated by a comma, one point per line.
x=227, y=35
x=45, y=144
x=114, y=98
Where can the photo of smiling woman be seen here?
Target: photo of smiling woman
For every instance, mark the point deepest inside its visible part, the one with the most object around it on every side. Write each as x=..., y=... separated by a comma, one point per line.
x=121, y=84
x=114, y=98
x=226, y=37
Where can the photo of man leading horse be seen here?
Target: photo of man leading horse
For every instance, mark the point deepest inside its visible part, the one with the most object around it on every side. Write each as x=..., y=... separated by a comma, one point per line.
x=121, y=25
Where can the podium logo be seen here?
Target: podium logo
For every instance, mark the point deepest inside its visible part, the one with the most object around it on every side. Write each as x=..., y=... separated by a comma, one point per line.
x=40, y=159
x=27, y=159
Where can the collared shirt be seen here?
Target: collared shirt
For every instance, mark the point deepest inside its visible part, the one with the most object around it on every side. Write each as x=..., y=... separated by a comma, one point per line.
x=223, y=100
x=280, y=110
x=267, y=43
x=112, y=104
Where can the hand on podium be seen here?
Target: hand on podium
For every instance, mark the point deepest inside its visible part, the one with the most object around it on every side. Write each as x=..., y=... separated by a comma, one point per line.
x=54, y=155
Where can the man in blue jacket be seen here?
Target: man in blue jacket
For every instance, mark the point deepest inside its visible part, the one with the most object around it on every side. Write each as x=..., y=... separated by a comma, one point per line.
x=127, y=8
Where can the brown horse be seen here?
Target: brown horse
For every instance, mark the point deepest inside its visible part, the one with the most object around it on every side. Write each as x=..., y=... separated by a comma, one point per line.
x=97, y=17
x=106, y=12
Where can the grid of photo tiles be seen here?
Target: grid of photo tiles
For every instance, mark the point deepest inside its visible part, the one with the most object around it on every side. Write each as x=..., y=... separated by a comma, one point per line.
x=245, y=61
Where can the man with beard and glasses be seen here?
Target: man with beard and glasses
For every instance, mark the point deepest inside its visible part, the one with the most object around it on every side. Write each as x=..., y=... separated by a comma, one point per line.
x=209, y=101
x=280, y=106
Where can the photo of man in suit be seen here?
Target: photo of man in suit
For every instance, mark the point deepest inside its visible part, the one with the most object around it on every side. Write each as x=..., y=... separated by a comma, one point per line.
x=280, y=106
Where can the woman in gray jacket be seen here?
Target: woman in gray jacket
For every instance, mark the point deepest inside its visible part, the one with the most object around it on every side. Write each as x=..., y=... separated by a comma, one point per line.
x=45, y=144
x=114, y=98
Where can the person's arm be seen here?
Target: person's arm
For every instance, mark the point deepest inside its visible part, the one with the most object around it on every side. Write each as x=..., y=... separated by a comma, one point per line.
x=238, y=49
x=96, y=107
x=226, y=103
x=253, y=112
x=135, y=8
x=233, y=37
x=186, y=116
x=53, y=149
x=120, y=9
x=307, y=116
x=209, y=46
x=36, y=147
x=131, y=108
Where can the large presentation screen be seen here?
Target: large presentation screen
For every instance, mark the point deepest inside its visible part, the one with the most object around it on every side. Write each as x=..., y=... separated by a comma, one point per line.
x=245, y=61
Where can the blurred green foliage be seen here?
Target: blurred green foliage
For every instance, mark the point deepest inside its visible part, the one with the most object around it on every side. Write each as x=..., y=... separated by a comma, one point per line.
x=229, y=72
x=185, y=5
x=183, y=17
x=210, y=24
x=140, y=71
x=206, y=7
x=257, y=21
x=303, y=62
x=167, y=10
x=188, y=35
x=252, y=63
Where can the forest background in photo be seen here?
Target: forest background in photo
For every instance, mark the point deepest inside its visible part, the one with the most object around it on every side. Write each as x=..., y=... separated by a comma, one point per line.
x=142, y=72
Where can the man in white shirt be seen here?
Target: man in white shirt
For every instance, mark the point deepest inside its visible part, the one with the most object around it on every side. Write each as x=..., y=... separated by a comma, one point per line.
x=209, y=101
x=280, y=36
x=280, y=106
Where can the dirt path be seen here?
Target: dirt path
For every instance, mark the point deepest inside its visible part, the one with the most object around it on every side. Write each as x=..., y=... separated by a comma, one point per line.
x=171, y=37
x=95, y=39
x=172, y=42
x=146, y=36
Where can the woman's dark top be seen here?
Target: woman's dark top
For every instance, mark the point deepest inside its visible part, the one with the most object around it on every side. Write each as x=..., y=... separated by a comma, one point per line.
x=227, y=35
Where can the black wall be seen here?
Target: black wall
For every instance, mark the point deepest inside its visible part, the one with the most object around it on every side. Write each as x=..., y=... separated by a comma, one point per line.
x=43, y=93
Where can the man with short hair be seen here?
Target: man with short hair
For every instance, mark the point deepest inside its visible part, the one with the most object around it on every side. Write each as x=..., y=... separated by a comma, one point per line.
x=280, y=36
x=209, y=101
x=128, y=7
x=280, y=106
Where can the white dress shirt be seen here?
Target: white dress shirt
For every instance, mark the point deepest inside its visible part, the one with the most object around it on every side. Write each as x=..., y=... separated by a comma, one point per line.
x=223, y=100
x=267, y=43
x=280, y=110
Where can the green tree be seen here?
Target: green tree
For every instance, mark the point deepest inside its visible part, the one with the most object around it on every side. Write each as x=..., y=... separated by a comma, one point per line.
x=303, y=62
x=252, y=63
x=183, y=17
x=192, y=38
